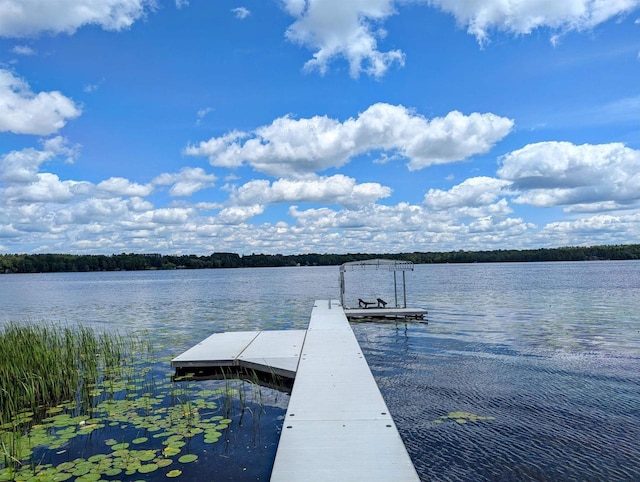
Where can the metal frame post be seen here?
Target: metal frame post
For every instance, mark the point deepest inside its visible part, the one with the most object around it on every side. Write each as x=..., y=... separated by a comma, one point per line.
x=404, y=289
x=395, y=287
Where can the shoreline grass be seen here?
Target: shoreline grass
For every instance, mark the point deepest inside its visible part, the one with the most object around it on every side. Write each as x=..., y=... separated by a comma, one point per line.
x=75, y=402
x=42, y=365
x=45, y=365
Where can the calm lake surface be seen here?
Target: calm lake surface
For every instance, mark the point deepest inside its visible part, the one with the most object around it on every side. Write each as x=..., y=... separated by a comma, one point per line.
x=542, y=360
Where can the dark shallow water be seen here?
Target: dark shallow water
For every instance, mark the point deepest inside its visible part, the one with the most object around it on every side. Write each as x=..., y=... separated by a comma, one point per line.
x=552, y=417
x=245, y=451
x=541, y=361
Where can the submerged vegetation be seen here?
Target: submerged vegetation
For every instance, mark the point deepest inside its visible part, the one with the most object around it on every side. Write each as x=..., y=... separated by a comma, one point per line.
x=85, y=405
x=462, y=417
x=46, y=263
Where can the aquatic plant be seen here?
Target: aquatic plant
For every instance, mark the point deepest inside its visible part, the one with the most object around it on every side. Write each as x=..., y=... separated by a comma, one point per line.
x=43, y=365
x=153, y=429
x=122, y=416
x=462, y=417
x=47, y=368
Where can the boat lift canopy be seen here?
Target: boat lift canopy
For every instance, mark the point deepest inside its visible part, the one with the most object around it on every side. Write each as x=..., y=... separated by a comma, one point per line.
x=393, y=265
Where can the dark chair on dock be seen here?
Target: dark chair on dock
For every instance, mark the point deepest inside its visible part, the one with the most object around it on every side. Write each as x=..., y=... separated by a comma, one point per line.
x=365, y=304
x=381, y=303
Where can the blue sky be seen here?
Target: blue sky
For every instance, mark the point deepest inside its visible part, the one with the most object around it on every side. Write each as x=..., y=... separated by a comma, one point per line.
x=295, y=126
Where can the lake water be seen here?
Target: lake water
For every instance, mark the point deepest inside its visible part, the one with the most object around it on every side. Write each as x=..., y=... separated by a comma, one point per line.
x=524, y=371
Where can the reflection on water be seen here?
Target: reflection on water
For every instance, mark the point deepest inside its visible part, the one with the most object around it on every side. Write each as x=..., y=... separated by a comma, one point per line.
x=550, y=352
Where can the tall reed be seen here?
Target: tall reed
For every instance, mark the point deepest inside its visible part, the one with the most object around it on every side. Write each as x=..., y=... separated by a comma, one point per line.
x=42, y=365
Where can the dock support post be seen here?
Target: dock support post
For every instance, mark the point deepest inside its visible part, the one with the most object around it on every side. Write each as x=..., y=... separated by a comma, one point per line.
x=404, y=289
x=395, y=288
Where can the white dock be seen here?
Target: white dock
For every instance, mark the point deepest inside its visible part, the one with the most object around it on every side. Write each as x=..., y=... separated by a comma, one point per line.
x=337, y=426
x=274, y=352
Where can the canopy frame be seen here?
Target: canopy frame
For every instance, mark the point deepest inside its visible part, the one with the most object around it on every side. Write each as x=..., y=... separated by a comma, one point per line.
x=392, y=265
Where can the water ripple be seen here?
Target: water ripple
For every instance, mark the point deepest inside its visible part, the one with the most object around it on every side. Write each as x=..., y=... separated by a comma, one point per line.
x=552, y=417
x=549, y=352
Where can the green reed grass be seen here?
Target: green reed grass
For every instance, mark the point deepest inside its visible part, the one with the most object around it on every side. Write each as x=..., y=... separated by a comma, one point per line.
x=59, y=382
x=42, y=365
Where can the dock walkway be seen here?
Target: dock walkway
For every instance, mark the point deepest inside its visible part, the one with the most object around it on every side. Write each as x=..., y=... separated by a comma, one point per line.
x=337, y=426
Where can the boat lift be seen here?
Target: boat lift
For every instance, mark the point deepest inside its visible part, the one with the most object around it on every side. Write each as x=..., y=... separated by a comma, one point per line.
x=381, y=311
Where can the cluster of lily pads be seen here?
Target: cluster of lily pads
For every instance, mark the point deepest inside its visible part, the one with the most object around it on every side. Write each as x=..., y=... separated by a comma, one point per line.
x=126, y=423
x=147, y=432
x=462, y=417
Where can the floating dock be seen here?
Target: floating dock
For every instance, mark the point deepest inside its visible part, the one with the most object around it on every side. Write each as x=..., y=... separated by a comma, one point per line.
x=271, y=352
x=385, y=313
x=337, y=426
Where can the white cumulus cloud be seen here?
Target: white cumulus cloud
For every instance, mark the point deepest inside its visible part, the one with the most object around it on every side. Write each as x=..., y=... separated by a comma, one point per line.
x=202, y=113
x=23, y=50
x=241, y=12
x=23, y=166
x=473, y=192
x=24, y=18
x=291, y=147
x=24, y=112
x=46, y=187
x=520, y=17
x=563, y=174
x=593, y=230
x=188, y=181
x=238, y=214
x=338, y=189
x=343, y=29
x=388, y=227
x=94, y=211
x=351, y=30
x=171, y=215
x=119, y=186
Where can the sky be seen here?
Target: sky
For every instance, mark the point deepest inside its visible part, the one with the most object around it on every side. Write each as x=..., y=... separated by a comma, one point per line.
x=318, y=126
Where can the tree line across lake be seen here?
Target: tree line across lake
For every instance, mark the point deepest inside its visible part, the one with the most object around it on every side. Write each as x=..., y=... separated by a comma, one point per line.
x=48, y=263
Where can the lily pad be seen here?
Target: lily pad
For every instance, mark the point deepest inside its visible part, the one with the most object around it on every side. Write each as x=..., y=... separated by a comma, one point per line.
x=79, y=471
x=463, y=417
x=97, y=457
x=6, y=474
x=163, y=462
x=62, y=476
x=146, y=455
x=91, y=477
x=148, y=468
x=174, y=473
x=169, y=451
x=66, y=466
x=175, y=443
x=188, y=458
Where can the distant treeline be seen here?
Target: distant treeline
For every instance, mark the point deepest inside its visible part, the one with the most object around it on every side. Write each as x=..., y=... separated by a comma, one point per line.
x=48, y=263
